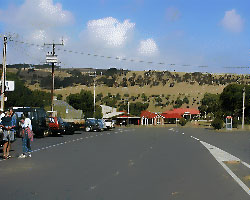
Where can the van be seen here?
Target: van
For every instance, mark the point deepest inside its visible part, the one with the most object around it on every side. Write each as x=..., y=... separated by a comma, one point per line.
x=38, y=118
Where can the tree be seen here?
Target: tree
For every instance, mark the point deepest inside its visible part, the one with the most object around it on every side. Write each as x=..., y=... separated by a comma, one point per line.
x=185, y=100
x=59, y=97
x=232, y=97
x=23, y=96
x=178, y=103
x=136, y=108
x=82, y=101
x=210, y=103
x=144, y=97
x=98, y=112
x=99, y=97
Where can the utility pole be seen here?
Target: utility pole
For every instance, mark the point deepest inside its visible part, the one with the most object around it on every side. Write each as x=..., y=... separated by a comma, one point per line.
x=52, y=59
x=94, y=75
x=243, y=109
x=128, y=107
x=3, y=79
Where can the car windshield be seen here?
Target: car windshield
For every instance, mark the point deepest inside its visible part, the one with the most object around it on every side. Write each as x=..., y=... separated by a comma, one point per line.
x=60, y=120
x=92, y=120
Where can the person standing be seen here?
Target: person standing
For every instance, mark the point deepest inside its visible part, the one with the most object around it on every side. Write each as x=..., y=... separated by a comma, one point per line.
x=8, y=125
x=27, y=136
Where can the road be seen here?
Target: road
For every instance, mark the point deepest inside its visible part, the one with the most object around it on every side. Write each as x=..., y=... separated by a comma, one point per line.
x=128, y=163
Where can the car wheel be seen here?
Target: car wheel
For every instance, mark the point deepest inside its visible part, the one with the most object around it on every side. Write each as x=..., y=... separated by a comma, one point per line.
x=87, y=129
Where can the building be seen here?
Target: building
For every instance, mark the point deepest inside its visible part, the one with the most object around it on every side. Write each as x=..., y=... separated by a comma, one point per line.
x=127, y=119
x=149, y=118
x=109, y=112
x=187, y=113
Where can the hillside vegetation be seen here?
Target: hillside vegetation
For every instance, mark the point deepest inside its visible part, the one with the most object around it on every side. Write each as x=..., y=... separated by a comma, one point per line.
x=162, y=90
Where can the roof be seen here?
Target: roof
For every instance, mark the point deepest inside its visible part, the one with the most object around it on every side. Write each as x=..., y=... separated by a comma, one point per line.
x=148, y=114
x=127, y=116
x=171, y=115
x=182, y=111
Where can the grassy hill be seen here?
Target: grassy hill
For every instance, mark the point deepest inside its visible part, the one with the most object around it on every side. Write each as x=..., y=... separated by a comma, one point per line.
x=162, y=89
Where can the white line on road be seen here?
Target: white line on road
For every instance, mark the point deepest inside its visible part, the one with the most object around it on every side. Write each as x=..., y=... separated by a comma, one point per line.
x=244, y=163
x=222, y=156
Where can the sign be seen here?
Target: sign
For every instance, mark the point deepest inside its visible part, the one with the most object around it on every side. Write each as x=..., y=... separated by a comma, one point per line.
x=9, y=86
x=51, y=58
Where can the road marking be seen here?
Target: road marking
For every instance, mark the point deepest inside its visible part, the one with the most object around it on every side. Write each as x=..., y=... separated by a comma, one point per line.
x=222, y=156
x=244, y=163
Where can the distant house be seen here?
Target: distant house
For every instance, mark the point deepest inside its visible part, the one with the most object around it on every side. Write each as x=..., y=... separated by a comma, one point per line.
x=149, y=118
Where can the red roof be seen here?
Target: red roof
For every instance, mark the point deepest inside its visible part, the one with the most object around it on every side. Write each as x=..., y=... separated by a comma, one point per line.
x=171, y=115
x=182, y=111
x=147, y=114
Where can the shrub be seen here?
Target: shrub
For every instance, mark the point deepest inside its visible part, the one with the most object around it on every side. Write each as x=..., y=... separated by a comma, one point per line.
x=217, y=123
x=183, y=121
x=236, y=122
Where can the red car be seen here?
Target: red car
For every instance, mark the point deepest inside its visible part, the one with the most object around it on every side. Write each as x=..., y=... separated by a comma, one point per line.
x=56, y=125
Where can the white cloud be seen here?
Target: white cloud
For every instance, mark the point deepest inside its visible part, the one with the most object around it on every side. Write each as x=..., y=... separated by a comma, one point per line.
x=148, y=47
x=37, y=14
x=43, y=21
x=232, y=21
x=39, y=19
x=110, y=31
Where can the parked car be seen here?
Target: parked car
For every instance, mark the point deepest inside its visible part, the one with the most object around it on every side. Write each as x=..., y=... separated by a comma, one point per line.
x=38, y=118
x=109, y=124
x=102, y=124
x=56, y=125
x=70, y=127
x=92, y=124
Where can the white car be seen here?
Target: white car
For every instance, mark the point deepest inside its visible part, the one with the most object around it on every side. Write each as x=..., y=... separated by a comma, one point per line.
x=109, y=124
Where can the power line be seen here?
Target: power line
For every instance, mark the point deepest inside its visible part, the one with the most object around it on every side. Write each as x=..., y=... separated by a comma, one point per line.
x=117, y=58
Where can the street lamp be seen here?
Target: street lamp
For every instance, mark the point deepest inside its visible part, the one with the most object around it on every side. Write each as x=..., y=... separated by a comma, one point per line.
x=94, y=75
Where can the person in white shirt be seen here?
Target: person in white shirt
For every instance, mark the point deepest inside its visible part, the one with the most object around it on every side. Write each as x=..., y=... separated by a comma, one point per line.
x=27, y=136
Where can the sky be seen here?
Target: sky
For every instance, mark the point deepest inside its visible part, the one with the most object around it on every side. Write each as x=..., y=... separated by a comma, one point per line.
x=183, y=35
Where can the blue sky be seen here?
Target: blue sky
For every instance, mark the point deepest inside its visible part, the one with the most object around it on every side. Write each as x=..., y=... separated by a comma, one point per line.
x=213, y=33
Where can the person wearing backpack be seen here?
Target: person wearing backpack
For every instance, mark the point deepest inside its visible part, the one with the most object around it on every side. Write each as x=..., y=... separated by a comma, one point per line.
x=27, y=136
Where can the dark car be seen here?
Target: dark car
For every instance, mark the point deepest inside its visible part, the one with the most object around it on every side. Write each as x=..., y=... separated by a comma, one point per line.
x=92, y=125
x=70, y=127
x=38, y=118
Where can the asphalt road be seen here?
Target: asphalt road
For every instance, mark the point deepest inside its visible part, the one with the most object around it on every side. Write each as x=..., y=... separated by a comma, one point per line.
x=125, y=163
